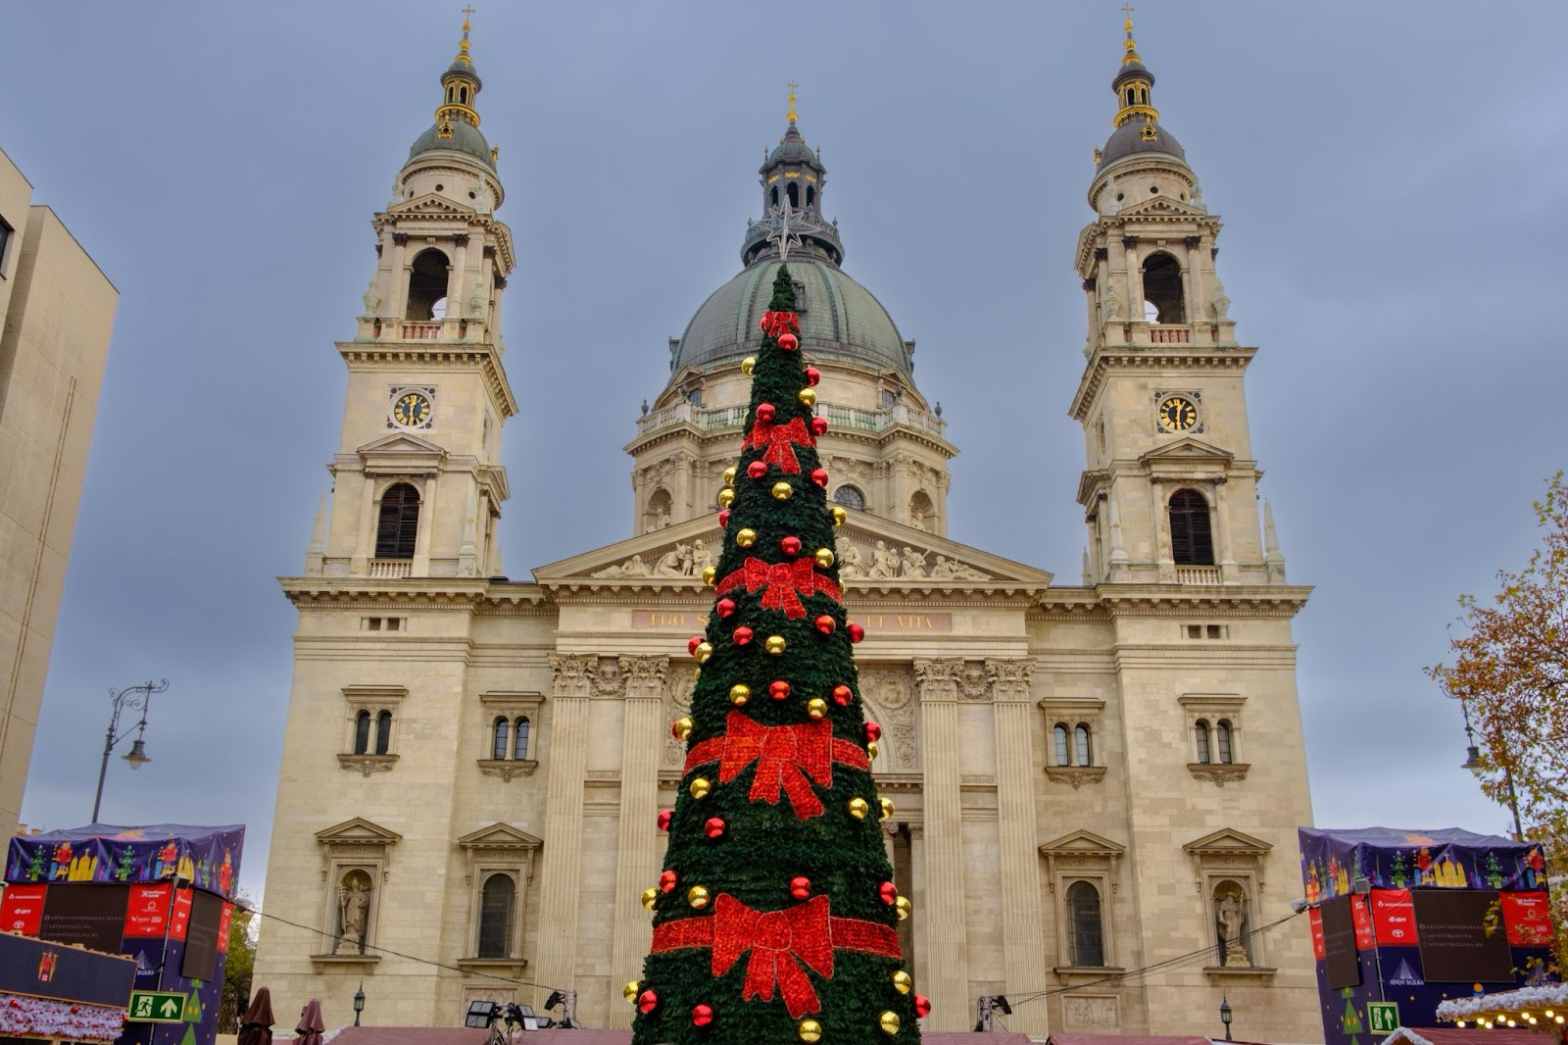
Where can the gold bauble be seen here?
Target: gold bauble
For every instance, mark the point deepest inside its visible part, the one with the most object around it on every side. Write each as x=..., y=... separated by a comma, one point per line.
x=683, y=724
x=746, y=538
x=704, y=651
x=774, y=644
x=902, y=982
x=630, y=991
x=809, y=1030
x=888, y=1021
x=871, y=749
x=748, y=365
x=700, y=787
x=886, y=805
x=858, y=808
x=729, y=476
x=839, y=515
x=740, y=693
x=709, y=575
x=824, y=557
x=697, y=896
x=649, y=896
x=726, y=497
x=782, y=490
x=807, y=396
x=816, y=707
x=903, y=907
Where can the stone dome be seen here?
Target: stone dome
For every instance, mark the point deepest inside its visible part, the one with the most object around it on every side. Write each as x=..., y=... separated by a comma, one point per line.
x=839, y=319
x=1128, y=140
x=465, y=139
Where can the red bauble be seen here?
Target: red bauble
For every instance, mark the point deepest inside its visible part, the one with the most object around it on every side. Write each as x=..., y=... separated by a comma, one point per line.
x=714, y=827
x=889, y=893
x=800, y=887
x=692, y=644
x=856, y=632
x=922, y=1006
x=724, y=607
x=701, y=1015
x=826, y=624
x=647, y=1001
x=873, y=732
x=667, y=881
x=742, y=635
x=766, y=411
x=841, y=695
x=813, y=375
x=757, y=469
x=790, y=546
x=778, y=689
x=789, y=342
x=820, y=477
x=665, y=816
x=819, y=425
x=724, y=517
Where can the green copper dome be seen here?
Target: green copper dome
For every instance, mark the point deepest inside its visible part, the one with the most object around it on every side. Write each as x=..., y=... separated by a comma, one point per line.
x=839, y=319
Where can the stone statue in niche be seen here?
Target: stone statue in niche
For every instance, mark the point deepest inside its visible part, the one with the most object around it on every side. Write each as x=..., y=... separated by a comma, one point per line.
x=476, y=300
x=353, y=910
x=1219, y=301
x=1113, y=304
x=1230, y=912
x=372, y=299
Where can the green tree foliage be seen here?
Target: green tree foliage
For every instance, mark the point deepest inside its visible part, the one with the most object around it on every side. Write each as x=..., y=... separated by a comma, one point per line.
x=239, y=966
x=774, y=920
x=1509, y=664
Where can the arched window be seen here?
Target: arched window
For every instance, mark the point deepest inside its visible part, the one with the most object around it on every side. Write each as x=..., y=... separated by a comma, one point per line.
x=497, y=904
x=1222, y=741
x=520, y=745
x=1059, y=734
x=500, y=739
x=811, y=196
x=426, y=284
x=773, y=195
x=399, y=522
x=850, y=497
x=1081, y=750
x=1200, y=733
x=793, y=191
x=1130, y=96
x=462, y=95
x=383, y=732
x=362, y=733
x=1162, y=288
x=1191, y=542
x=1085, y=939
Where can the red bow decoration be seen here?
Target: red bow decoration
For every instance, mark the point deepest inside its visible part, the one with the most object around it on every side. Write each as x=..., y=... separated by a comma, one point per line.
x=785, y=755
x=783, y=583
x=780, y=441
x=783, y=944
x=776, y=323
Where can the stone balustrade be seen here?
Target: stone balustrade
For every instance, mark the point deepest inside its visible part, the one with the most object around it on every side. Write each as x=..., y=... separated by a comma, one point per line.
x=841, y=417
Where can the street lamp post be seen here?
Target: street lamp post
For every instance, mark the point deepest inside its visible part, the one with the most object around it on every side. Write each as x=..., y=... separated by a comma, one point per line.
x=136, y=698
x=1473, y=763
x=1225, y=1016
x=359, y=1003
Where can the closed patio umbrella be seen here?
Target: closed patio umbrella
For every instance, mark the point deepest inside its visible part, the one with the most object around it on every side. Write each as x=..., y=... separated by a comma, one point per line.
x=310, y=1026
x=256, y=1024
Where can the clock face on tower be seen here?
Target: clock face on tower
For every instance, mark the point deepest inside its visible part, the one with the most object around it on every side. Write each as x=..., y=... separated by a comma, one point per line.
x=411, y=409
x=1177, y=413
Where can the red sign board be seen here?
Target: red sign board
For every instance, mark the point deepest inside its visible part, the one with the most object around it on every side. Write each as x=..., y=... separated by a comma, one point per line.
x=1394, y=917
x=223, y=928
x=180, y=922
x=1315, y=916
x=1528, y=917
x=147, y=911
x=1362, y=920
x=22, y=909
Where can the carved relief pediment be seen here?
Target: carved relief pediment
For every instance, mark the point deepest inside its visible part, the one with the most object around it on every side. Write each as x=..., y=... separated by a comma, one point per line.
x=1187, y=450
x=1228, y=841
x=430, y=205
x=1161, y=207
x=1083, y=843
x=358, y=831
x=499, y=836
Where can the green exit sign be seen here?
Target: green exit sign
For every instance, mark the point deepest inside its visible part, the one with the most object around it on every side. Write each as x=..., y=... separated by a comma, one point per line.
x=1382, y=1017
x=157, y=1006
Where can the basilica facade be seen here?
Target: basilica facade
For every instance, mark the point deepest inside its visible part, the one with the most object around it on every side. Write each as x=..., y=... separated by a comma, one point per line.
x=1097, y=785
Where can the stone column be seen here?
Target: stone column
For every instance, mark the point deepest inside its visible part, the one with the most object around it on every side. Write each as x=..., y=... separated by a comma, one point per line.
x=637, y=856
x=1228, y=572
x=359, y=565
x=561, y=873
x=1092, y=337
x=397, y=291
x=494, y=332
x=1134, y=284
x=947, y=979
x=1023, y=942
x=889, y=840
x=1162, y=531
x=427, y=522
x=1192, y=285
x=456, y=297
x=917, y=894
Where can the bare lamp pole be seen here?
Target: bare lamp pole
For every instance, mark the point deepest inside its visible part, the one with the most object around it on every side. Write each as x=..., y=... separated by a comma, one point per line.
x=136, y=698
x=1475, y=765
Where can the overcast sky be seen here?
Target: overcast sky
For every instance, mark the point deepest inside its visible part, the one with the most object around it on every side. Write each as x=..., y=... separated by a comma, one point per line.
x=1389, y=175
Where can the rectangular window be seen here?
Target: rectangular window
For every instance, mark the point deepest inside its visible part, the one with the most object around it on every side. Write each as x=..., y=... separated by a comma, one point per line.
x=372, y=623
x=5, y=240
x=1216, y=631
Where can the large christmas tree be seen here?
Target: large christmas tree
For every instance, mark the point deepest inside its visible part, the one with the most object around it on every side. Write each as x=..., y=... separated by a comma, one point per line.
x=774, y=919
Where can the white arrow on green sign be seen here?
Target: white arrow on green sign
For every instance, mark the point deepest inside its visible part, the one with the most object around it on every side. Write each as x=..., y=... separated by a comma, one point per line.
x=157, y=1007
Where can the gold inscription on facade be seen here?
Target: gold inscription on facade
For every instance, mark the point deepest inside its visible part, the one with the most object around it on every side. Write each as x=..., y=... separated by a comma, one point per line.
x=874, y=622
x=667, y=619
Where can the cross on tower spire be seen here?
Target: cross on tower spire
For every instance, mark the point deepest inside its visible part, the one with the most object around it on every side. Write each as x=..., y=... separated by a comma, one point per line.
x=792, y=85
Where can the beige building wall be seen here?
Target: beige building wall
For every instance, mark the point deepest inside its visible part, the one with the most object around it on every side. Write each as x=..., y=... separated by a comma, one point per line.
x=57, y=309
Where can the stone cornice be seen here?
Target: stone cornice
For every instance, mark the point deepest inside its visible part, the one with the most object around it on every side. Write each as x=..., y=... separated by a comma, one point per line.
x=726, y=437
x=1232, y=600
x=1162, y=359
x=392, y=352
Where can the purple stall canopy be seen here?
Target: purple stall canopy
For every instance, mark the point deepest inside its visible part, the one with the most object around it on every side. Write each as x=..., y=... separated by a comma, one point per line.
x=208, y=857
x=1449, y=858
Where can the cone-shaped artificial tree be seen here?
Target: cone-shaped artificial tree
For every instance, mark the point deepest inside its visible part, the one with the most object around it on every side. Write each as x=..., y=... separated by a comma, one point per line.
x=774, y=919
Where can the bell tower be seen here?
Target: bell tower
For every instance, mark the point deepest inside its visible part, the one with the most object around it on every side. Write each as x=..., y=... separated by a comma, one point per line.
x=1169, y=487
x=417, y=484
